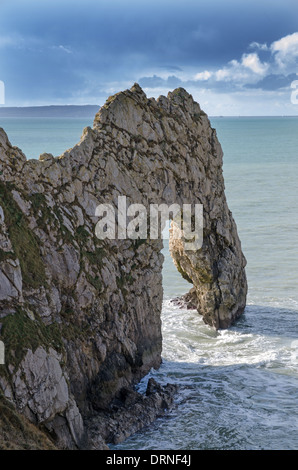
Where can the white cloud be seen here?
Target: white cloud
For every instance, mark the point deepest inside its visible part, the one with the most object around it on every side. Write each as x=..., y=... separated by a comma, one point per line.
x=62, y=48
x=223, y=74
x=286, y=44
x=65, y=49
x=203, y=75
x=257, y=45
x=253, y=62
x=252, y=84
x=248, y=70
x=282, y=57
x=285, y=51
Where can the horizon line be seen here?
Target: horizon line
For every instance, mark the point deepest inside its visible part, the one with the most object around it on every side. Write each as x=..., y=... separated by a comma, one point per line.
x=99, y=106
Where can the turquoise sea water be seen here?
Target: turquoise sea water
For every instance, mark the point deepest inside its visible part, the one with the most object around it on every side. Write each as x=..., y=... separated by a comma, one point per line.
x=238, y=388
x=38, y=135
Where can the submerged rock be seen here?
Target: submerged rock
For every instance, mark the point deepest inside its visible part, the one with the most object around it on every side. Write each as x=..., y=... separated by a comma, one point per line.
x=81, y=315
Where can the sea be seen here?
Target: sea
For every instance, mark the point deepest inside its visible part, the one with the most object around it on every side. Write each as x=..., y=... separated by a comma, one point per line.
x=237, y=388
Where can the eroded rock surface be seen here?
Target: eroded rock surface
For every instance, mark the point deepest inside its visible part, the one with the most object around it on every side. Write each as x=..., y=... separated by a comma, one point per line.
x=80, y=317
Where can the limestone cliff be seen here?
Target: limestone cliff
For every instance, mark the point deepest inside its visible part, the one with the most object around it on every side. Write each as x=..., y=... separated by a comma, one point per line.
x=80, y=316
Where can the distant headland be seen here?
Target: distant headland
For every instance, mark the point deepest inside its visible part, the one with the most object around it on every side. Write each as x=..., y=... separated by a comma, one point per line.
x=55, y=111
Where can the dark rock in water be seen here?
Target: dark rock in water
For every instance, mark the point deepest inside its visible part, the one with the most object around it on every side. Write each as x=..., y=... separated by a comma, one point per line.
x=80, y=315
x=131, y=413
x=188, y=301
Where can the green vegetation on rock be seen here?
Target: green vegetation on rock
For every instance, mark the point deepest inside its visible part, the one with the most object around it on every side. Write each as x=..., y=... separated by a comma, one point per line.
x=17, y=433
x=25, y=243
x=20, y=332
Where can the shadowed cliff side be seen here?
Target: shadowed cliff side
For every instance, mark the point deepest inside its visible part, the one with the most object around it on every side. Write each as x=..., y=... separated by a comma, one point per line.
x=80, y=316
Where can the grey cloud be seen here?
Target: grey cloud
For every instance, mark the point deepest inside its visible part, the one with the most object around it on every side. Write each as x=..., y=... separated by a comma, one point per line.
x=157, y=82
x=274, y=82
x=171, y=68
x=175, y=82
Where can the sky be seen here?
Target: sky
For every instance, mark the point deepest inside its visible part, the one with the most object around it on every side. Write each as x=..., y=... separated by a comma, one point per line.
x=235, y=57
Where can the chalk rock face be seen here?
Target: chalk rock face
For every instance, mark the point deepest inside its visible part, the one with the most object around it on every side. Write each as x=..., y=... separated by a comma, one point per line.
x=80, y=316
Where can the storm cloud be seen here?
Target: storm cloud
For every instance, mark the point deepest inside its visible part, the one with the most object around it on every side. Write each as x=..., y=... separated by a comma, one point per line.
x=71, y=52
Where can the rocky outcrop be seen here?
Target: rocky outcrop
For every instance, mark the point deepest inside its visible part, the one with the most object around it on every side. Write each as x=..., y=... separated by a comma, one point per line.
x=80, y=316
x=130, y=413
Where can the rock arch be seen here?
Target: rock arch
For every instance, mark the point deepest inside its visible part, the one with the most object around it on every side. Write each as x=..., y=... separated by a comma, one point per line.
x=93, y=306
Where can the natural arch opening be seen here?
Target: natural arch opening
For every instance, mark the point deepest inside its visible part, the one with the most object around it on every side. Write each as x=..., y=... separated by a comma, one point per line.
x=174, y=285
